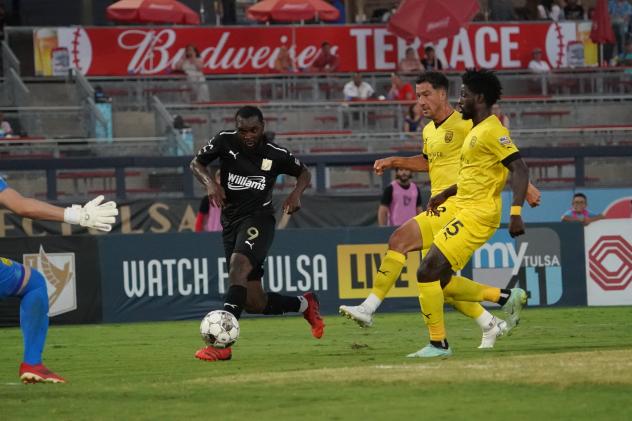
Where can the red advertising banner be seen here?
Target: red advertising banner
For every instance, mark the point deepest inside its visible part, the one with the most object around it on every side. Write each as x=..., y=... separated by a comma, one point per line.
x=120, y=51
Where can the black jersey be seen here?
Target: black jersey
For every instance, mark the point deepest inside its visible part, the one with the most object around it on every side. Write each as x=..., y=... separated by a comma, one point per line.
x=248, y=174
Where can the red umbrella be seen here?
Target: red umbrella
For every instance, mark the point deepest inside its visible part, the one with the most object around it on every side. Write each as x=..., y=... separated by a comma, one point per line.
x=431, y=20
x=292, y=10
x=601, y=32
x=152, y=11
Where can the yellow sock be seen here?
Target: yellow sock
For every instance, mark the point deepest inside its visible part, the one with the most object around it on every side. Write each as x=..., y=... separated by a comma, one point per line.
x=467, y=308
x=431, y=302
x=387, y=274
x=463, y=289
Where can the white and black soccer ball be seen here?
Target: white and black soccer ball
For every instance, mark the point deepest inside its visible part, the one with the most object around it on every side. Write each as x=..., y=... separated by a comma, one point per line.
x=219, y=329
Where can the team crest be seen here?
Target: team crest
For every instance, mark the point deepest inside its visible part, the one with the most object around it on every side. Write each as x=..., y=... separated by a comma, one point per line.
x=473, y=141
x=59, y=271
x=266, y=164
x=505, y=140
x=448, y=136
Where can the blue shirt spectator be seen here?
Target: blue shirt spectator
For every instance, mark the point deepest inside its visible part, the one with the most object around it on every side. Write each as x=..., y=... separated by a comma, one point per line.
x=579, y=211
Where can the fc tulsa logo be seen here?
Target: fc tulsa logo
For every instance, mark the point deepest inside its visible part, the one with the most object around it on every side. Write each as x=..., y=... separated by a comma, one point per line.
x=59, y=271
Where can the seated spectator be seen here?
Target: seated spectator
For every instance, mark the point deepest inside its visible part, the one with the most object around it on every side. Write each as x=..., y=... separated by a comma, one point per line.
x=400, y=90
x=209, y=216
x=504, y=120
x=620, y=15
x=357, y=89
x=430, y=61
x=5, y=127
x=412, y=122
x=326, y=61
x=573, y=11
x=401, y=200
x=410, y=63
x=192, y=66
x=549, y=10
x=284, y=62
x=579, y=211
x=537, y=65
x=100, y=96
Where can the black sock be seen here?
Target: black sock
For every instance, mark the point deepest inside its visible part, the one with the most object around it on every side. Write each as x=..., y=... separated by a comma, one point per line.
x=279, y=304
x=235, y=300
x=504, y=296
x=440, y=344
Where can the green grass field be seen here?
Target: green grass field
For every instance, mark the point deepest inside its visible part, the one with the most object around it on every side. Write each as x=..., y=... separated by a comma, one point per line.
x=559, y=364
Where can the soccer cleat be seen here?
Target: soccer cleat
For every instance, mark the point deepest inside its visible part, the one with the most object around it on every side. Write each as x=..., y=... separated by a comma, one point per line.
x=431, y=351
x=312, y=315
x=498, y=329
x=38, y=373
x=209, y=353
x=517, y=300
x=359, y=314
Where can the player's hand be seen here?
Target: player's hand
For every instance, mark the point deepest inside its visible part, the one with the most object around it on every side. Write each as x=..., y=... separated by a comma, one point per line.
x=533, y=196
x=292, y=204
x=434, y=202
x=516, y=226
x=216, y=194
x=93, y=214
x=382, y=164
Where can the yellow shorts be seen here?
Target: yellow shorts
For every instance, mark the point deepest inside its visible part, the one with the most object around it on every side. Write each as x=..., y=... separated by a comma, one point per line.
x=429, y=224
x=461, y=237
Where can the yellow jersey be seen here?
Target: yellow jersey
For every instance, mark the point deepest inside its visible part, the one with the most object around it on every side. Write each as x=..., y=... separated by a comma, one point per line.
x=442, y=147
x=482, y=175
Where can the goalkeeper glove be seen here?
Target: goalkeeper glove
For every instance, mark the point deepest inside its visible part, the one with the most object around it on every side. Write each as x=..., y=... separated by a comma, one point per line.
x=93, y=214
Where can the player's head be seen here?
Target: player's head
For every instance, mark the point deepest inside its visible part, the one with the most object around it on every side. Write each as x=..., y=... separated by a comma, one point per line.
x=249, y=124
x=480, y=90
x=432, y=93
x=403, y=175
x=580, y=202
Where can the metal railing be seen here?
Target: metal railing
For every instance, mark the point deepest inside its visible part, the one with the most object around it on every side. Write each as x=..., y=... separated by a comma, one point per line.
x=9, y=60
x=85, y=94
x=179, y=145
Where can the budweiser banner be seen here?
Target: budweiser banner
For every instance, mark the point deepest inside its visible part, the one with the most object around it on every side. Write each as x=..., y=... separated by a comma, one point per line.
x=121, y=51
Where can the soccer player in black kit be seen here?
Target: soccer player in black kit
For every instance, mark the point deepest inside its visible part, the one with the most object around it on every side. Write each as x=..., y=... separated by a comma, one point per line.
x=249, y=165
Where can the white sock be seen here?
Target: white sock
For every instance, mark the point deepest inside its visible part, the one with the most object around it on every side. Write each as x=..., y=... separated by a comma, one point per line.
x=304, y=304
x=485, y=320
x=372, y=303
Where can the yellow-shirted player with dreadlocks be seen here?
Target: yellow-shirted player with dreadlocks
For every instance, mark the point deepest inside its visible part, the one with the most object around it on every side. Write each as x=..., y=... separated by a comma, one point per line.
x=442, y=141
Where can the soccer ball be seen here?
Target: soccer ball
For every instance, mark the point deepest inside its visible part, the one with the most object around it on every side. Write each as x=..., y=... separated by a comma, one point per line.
x=219, y=329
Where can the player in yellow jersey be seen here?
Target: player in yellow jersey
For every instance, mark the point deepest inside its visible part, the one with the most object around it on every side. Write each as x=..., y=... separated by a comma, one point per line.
x=443, y=138
x=487, y=156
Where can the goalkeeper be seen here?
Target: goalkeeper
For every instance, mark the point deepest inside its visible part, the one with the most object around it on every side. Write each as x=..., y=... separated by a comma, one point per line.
x=17, y=280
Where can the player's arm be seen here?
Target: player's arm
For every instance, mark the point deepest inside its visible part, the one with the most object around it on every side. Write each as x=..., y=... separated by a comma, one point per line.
x=438, y=199
x=417, y=163
x=382, y=215
x=93, y=214
x=534, y=196
x=199, y=167
x=519, y=186
x=384, y=208
x=293, y=201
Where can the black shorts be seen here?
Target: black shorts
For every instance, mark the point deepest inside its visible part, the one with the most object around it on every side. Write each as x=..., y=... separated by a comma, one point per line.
x=251, y=236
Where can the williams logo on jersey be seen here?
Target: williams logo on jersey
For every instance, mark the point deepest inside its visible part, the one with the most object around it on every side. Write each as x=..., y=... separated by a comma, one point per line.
x=240, y=182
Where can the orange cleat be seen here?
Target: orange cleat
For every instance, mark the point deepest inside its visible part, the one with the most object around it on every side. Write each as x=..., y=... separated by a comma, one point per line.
x=38, y=373
x=209, y=353
x=312, y=315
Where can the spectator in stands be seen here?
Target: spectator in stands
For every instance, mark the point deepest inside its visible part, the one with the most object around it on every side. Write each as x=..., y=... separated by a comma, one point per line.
x=504, y=119
x=400, y=90
x=501, y=10
x=549, y=10
x=326, y=61
x=5, y=127
x=626, y=61
x=573, y=11
x=537, y=64
x=192, y=66
x=620, y=14
x=410, y=63
x=430, y=61
x=401, y=200
x=208, y=218
x=579, y=211
x=100, y=96
x=357, y=89
x=414, y=117
x=284, y=62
